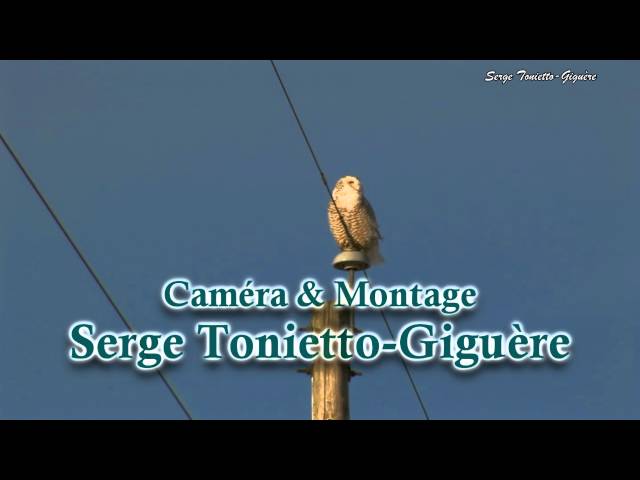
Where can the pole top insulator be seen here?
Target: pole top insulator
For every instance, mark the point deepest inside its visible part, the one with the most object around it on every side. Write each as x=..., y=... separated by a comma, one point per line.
x=351, y=260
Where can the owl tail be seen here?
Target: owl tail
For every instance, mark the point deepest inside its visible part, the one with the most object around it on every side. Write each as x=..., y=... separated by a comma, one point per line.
x=373, y=253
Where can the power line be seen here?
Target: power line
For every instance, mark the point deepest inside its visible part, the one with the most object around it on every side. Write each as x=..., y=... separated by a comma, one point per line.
x=404, y=363
x=323, y=178
x=86, y=263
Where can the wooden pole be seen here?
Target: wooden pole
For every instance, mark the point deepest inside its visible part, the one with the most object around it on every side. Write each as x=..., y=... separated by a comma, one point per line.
x=330, y=378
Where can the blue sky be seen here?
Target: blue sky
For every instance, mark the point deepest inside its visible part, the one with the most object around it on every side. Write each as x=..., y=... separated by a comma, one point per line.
x=197, y=169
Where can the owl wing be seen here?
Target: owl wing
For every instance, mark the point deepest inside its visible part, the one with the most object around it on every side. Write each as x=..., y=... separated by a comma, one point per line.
x=372, y=216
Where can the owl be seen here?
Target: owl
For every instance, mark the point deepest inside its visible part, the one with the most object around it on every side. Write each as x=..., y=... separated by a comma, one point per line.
x=359, y=218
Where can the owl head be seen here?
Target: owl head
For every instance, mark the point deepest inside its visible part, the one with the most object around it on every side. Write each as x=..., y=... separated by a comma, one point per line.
x=348, y=184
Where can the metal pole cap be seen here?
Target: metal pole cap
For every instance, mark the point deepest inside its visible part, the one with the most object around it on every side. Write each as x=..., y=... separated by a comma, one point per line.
x=351, y=260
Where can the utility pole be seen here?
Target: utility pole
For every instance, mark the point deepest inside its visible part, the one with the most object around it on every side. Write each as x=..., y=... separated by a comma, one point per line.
x=330, y=378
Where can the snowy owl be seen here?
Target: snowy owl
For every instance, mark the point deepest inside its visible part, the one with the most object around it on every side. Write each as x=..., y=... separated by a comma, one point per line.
x=359, y=218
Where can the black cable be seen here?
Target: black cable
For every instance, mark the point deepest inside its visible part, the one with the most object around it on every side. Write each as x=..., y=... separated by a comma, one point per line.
x=90, y=269
x=404, y=363
x=323, y=178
